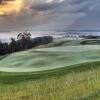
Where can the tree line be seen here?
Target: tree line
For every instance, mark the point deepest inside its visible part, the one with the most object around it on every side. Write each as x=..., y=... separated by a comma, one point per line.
x=23, y=42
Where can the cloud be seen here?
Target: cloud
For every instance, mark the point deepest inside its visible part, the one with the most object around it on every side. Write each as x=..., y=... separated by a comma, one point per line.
x=43, y=14
x=89, y=22
x=15, y=7
x=42, y=5
x=66, y=13
x=10, y=7
x=75, y=6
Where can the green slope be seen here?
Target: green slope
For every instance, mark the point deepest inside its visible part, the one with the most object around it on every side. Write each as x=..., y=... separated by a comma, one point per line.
x=49, y=58
x=62, y=70
x=77, y=82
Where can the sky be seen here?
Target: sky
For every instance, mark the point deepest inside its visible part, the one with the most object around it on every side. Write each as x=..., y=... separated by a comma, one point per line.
x=49, y=15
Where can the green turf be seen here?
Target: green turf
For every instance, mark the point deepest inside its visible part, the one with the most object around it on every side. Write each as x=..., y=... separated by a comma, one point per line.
x=62, y=70
x=78, y=82
x=49, y=58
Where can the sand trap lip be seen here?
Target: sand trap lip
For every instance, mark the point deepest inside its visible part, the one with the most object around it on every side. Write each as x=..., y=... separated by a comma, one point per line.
x=80, y=54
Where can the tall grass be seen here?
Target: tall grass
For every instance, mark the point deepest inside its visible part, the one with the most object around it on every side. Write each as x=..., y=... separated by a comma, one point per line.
x=75, y=85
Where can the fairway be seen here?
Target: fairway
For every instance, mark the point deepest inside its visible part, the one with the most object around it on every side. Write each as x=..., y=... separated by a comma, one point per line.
x=49, y=58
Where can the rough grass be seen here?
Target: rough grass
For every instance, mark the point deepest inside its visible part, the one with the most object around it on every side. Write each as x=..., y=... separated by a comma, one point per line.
x=80, y=82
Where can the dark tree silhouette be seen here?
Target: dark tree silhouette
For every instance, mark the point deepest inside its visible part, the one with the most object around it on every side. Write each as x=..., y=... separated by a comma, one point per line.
x=23, y=42
x=1, y=48
x=4, y=48
x=12, y=46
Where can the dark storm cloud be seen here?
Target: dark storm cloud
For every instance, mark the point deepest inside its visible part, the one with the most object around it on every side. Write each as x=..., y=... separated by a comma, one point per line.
x=46, y=5
x=76, y=1
x=47, y=14
x=75, y=6
x=91, y=21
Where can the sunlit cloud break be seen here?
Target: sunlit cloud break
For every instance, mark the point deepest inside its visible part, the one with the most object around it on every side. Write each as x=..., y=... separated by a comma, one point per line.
x=9, y=7
x=14, y=7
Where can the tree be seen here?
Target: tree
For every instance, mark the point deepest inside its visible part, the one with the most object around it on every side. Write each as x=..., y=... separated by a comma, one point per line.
x=12, y=45
x=1, y=48
x=19, y=36
x=24, y=35
x=23, y=42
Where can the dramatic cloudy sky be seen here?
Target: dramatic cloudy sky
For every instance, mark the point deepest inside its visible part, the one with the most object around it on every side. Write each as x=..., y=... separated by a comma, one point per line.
x=49, y=14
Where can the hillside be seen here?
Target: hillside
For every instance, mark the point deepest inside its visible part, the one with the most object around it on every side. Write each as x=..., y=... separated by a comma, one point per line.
x=69, y=71
x=46, y=58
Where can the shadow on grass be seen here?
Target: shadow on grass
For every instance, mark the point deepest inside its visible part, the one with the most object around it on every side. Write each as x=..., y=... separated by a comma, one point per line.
x=2, y=57
x=13, y=78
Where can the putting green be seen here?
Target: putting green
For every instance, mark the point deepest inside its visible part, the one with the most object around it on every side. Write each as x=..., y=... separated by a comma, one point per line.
x=49, y=58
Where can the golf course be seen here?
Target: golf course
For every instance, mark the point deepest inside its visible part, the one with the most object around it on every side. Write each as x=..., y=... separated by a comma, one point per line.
x=62, y=70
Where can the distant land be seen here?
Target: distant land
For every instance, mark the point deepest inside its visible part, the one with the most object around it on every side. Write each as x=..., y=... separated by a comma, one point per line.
x=5, y=36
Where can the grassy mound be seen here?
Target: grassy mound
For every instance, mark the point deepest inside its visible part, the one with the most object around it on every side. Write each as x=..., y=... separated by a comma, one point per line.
x=49, y=58
x=73, y=42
